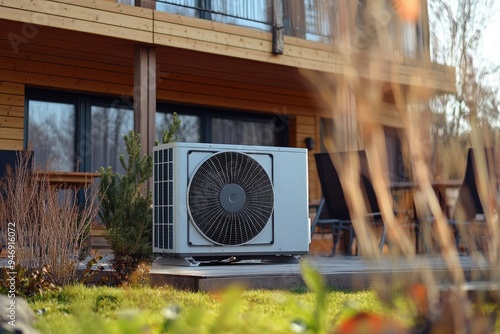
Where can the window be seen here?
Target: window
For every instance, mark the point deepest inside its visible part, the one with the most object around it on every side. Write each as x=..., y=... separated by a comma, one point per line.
x=223, y=127
x=109, y=124
x=395, y=161
x=75, y=132
x=189, y=131
x=412, y=39
x=72, y=132
x=51, y=133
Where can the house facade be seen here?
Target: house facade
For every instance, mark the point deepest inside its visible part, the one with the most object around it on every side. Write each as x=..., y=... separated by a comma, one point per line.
x=76, y=75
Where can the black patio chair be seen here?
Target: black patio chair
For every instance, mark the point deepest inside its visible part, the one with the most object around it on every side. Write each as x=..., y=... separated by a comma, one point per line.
x=339, y=218
x=468, y=208
x=8, y=161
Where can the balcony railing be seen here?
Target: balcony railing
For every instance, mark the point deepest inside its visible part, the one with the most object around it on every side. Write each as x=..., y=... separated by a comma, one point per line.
x=307, y=19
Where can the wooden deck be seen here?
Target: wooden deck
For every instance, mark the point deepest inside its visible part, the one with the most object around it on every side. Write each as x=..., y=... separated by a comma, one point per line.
x=339, y=272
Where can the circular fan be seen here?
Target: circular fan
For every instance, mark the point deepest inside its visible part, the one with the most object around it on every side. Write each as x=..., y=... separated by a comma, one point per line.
x=230, y=198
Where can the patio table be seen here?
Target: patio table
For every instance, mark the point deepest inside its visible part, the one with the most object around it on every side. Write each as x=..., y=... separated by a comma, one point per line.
x=439, y=185
x=69, y=180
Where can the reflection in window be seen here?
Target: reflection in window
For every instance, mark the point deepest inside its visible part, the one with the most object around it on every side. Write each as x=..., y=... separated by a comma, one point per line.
x=395, y=162
x=412, y=39
x=253, y=14
x=74, y=132
x=204, y=125
x=179, y=7
x=109, y=126
x=246, y=132
x=51, y=134
x=189, y=130
x=318, y=20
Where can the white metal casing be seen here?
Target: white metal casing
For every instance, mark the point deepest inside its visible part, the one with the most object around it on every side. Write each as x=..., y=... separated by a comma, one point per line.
x=174, y=235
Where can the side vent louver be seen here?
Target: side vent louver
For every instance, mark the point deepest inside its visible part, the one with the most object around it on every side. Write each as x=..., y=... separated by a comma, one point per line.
x=163, y=205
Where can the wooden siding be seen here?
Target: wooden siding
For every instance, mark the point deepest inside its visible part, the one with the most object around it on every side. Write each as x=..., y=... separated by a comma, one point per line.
x=222, y=39
x=55, y=59
x=88, y=46
x=238, y=84
x=144, y=25
x=11, y=115
x=97, y=17
x=65, y=60
x=302, y=127
x=60, y=60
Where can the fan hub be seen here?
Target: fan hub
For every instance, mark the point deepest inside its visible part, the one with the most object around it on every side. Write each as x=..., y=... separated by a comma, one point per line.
x=232, y=197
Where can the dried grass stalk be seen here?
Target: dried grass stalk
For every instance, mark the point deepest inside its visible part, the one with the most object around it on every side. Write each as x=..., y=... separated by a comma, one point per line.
x=51, y=228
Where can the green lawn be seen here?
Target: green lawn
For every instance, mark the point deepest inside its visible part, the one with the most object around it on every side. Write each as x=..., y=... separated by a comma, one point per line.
x=144, y=309
x=78, y=309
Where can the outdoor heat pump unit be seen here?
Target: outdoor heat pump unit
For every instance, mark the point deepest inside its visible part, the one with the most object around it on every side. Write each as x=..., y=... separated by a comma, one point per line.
x=216, y=202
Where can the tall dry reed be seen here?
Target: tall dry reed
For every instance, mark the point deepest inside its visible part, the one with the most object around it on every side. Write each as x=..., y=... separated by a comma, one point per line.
x=355, y=105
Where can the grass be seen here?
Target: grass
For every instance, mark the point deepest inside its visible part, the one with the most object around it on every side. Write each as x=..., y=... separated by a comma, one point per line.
x=80, y=309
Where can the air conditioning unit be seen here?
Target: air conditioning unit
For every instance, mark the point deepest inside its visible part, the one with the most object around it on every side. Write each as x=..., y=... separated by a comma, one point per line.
x=217, y=202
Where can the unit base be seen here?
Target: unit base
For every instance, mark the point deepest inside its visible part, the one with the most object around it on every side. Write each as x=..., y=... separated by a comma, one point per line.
x=189, y=261
x=177, y=261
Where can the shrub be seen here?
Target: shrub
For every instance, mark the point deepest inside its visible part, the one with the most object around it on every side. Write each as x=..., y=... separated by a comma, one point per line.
x=28, y=282
x=126, y=209
x=47, y=225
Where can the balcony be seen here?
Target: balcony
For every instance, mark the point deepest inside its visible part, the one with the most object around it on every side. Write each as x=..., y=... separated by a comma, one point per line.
x=311, y=20
x=242, y=32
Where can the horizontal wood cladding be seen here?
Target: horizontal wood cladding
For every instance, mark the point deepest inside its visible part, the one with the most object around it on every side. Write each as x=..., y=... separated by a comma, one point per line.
x=11, y=144
x=98, y=17
x=11, y=88
x=230, y=68
x=12, y=111
x=56, y=59
x=76, y=70
x=300, y=128
x=225, y=95
x=144, y=25
x=226, y=82
x=222, y=39
x=12, y=133
x=11, y=115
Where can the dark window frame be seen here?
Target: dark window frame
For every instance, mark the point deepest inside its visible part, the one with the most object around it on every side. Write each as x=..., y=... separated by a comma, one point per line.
x=83, y=107
x=207, y=114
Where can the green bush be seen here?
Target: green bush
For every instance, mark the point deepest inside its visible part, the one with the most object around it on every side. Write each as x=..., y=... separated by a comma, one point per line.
x=28, y=282
x=126, y=208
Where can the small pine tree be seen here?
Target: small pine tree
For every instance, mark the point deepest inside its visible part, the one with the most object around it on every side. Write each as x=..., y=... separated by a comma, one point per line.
x=169, y=135
x=126, y=209
x=126, y=206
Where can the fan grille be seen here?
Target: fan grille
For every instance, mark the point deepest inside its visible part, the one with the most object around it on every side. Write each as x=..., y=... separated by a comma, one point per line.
x=230, y=198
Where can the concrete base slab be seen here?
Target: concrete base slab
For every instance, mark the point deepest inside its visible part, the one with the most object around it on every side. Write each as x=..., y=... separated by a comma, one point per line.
x=339, y=272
